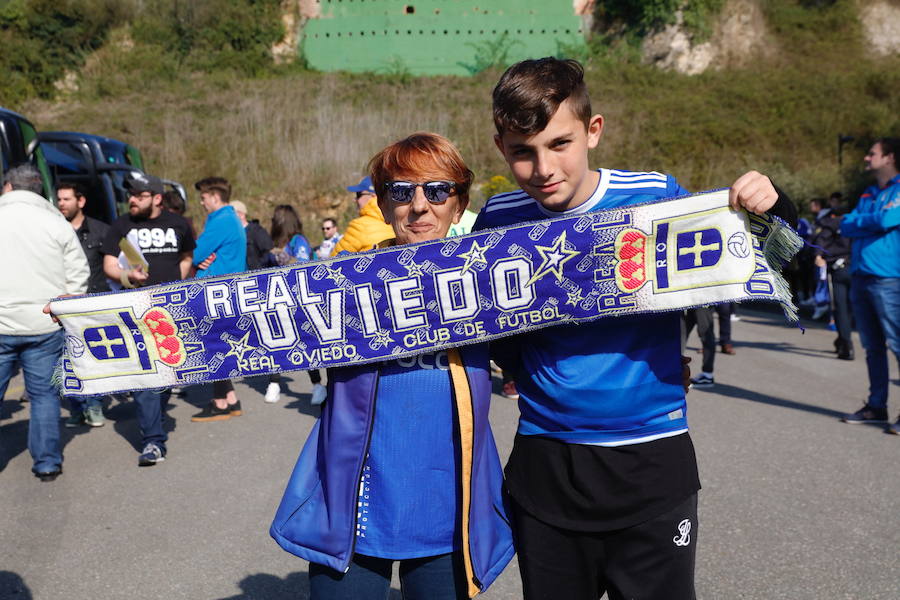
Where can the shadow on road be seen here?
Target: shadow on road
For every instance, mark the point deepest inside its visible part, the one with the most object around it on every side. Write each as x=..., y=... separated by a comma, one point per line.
x=785, y=347
x=263, y=586
x=13, y=587
x=730, y=391
x=14, y=436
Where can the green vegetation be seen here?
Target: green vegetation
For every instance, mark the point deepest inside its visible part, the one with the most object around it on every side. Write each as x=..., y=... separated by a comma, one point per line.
x=642, y=17
x=210, y=102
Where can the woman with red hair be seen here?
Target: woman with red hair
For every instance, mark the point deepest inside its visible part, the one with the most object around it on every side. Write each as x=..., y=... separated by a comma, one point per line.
x=402, y=464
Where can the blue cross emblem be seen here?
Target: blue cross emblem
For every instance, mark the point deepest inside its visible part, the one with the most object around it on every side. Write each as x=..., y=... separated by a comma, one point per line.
x=106, y=343
x=697, y=249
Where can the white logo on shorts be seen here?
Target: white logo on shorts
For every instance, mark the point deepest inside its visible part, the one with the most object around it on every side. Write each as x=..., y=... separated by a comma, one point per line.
x=684, y=533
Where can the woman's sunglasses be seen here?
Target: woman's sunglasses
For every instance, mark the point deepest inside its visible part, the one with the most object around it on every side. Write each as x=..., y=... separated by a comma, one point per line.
x=435, y=192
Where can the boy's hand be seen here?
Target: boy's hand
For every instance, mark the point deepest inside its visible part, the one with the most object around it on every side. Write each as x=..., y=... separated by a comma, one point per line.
x=754, y=192
x=685, y=373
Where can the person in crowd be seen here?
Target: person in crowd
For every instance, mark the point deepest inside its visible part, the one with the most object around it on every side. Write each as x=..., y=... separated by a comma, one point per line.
x=291, y=247
x=259, y=242
x=368, y=229
x=174, y=202
x=259, y=256
x=874, y=228
x=330, y=237
x=221, y=249
x=821, y=296
x=726, y=314
x=165, y=240
x=602, y=477
x=803, y=271
x=703, y=318
x=833, y=254
x=383, y=477
x=49, y=262
x=70, y=200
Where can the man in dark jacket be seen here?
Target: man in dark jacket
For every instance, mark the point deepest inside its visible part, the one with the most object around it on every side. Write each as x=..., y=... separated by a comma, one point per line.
x=91, y=232
x=259, y=242
x=833, y=251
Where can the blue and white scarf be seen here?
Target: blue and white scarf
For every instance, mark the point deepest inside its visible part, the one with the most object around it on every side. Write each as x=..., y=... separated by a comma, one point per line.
x=406, y=300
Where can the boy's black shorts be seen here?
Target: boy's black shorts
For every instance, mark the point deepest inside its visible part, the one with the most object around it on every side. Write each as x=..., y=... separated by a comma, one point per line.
x=653, y=560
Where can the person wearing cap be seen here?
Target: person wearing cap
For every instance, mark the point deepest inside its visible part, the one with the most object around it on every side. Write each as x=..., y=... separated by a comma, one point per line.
x=166, y=241
x=368, y=229
x=224, y=242
x=259, y=242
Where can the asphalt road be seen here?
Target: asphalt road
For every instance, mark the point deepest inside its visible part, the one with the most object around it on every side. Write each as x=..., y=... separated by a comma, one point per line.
x=794, y=505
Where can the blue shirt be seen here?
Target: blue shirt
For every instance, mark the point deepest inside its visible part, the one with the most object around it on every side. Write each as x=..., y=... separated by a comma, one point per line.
x=874, y=227
x=408, y=502
x=299, y=248
x=224, y=235
x=609, y=382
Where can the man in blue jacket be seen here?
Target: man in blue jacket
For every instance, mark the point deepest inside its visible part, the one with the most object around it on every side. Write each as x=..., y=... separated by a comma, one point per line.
x=221, y=249
x=874, y=227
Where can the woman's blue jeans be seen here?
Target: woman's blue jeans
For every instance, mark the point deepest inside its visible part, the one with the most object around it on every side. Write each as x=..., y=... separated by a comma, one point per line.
x=369, y=578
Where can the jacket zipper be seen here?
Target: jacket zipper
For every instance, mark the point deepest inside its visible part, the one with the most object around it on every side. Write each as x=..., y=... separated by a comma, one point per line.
x=362, y=464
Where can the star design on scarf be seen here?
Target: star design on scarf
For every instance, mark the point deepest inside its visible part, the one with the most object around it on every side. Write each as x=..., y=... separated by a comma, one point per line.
x=239, y=347
x=382, y=338
x=552, y=259
x=474, y=256
x=414, y=270
x=335, y=275
x=574, y=297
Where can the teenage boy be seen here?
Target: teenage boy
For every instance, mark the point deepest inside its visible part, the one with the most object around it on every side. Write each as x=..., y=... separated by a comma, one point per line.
x=221, y=249
x=602, y=476
x=166, y=241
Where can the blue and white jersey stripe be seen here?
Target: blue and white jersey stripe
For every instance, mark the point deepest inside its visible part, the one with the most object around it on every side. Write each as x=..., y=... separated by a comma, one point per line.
x=612, y=382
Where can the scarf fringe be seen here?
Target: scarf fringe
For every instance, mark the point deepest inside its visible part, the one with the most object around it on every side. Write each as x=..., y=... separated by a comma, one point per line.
x=782, y=244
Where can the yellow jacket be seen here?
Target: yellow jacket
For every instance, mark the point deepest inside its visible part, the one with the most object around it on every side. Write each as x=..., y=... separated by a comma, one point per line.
x=365, y=231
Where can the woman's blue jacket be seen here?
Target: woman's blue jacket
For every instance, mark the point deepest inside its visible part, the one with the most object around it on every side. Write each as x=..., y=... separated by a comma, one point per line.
x=316, y=519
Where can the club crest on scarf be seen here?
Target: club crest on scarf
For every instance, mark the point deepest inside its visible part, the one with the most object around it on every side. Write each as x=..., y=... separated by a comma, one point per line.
x=406, y=300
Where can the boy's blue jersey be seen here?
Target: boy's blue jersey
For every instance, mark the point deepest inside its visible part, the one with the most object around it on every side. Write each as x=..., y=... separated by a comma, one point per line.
x=613, y=381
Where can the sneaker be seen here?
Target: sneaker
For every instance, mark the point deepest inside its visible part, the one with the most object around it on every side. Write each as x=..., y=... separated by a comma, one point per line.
x=895, y=428
x=319, y=394
x=703, y=381
x=151, y=455
x=820, y=312
x=867, y=414
x=735, y=318
x=93, y=416
x=235, y=409
x=76, y=420
x=273, y=392
x=509, y=390
x=48, y=476
x=728, y=349
x=211, y=412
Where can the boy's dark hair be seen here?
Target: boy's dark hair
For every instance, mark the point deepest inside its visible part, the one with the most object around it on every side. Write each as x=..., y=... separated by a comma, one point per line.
x=890, y=145
x=215, y=185
x=76, y=188
x=530, y=92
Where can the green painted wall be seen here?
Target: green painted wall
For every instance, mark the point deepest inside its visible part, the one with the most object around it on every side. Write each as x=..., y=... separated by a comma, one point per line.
x=434, y=37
